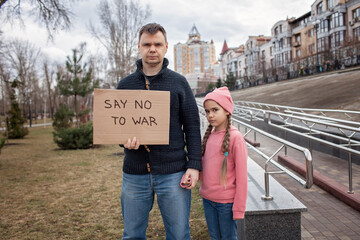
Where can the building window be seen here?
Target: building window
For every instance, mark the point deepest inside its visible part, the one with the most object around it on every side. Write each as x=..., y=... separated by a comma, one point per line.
x=357, y=32
x=336, y=20
x=280, y=29
x=323, y=26
x=356, y=13
x=298, y=38
x=306, y=20
x=312, y=48
x=337, y=39
x=298, y=53
x=311, y=32
x=276, y=31
x=281, y=44
x=330, y=4
x=279, y=59
x=323, y=44
x=287, y=57
x=319, y=8
x=271, y=51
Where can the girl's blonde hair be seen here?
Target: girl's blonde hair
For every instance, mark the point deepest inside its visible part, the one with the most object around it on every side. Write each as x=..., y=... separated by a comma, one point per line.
x=224, y=148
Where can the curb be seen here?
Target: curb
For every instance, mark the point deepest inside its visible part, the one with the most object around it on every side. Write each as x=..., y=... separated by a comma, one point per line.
x=334, y=188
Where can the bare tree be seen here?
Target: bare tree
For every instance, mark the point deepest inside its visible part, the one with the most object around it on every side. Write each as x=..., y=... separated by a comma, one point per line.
x=21, y=58
x=4, y=79
x=120, y=23
x=49, y=81
x=54, y=14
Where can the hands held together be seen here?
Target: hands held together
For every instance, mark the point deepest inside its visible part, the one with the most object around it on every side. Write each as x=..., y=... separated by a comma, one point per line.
x=190, y=177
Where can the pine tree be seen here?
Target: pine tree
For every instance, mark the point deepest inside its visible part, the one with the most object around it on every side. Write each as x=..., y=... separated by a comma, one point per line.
x=2, y=143
x=79, y=82
x=230, y=81
x=218, y=83
x=15, y=123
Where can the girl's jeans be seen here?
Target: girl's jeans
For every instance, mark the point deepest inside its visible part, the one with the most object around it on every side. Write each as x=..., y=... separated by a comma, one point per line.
x=219, y=219
x=137, y=198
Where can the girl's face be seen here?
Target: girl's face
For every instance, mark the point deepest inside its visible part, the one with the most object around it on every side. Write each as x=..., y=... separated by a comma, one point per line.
x=216, y=115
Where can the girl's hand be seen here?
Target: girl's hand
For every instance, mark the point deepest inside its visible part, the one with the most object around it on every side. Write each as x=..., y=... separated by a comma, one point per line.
x=193, y=174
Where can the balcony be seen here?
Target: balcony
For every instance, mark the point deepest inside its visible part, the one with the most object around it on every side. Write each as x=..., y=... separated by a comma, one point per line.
x=297, y=44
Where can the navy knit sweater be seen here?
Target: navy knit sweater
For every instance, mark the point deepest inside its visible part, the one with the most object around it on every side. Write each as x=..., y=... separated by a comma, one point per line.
x=184, y=126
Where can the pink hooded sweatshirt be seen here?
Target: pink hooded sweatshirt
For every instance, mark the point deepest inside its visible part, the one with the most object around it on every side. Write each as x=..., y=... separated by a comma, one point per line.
x=236, y=183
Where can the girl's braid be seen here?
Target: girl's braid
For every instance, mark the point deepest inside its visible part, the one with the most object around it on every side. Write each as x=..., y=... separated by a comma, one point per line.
x=205, y=138
x=225, y=150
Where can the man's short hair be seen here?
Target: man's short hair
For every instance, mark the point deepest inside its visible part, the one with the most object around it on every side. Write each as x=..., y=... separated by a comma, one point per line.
x=152, y=28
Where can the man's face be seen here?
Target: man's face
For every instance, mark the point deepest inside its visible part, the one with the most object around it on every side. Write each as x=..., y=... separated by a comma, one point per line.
x=152, y=48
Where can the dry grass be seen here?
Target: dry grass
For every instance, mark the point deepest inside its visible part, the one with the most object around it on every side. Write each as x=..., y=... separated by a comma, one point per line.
x=46, y=193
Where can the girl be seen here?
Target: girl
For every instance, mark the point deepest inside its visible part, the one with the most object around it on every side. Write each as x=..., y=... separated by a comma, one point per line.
x=224, y=175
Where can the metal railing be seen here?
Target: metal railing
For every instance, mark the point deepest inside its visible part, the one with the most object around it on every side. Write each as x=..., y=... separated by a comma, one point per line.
x=309, y=126
x=269, y=159
x=280, y=108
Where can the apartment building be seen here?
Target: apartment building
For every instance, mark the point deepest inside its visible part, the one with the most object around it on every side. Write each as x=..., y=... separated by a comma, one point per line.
x=353, y=18
x=194, y=56
x=303, y=43
x=328, y=35
x=255, y=57
x=331, y=29
x=246, y=62
x=232, y=60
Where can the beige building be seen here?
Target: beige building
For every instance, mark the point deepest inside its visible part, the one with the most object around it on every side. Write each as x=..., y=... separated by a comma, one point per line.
x=194, y=56
x=199, y=82
x=353, y=18
x=303, y=46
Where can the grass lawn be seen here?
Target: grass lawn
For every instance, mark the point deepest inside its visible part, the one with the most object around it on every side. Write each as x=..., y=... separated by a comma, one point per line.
x=47, y=193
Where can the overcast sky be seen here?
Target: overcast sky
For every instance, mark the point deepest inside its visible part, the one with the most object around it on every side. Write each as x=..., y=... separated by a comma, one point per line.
x=230, y=20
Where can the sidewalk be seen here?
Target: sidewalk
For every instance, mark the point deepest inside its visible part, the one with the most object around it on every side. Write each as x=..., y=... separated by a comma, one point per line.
x=326, y=216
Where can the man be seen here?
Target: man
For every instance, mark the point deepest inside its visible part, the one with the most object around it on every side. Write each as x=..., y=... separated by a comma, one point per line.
x=158, y=169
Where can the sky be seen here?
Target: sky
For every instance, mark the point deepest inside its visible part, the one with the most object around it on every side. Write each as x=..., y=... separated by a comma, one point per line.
x=230, y=20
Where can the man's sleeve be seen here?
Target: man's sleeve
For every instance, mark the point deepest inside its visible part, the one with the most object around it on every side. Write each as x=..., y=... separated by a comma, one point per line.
x=191, y=126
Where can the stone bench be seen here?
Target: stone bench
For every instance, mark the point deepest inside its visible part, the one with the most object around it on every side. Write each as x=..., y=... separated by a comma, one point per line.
x=277, y=219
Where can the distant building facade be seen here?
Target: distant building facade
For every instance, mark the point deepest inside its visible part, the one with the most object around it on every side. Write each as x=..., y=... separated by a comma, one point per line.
x=324, y=38
x=194, y=56
x=196, y=60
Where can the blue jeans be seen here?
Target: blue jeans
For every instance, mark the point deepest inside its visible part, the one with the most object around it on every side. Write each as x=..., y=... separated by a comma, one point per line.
x=137, y=198
x=219, y=219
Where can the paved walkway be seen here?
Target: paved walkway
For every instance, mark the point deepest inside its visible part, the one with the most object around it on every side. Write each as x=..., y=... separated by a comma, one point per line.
x=326, y=216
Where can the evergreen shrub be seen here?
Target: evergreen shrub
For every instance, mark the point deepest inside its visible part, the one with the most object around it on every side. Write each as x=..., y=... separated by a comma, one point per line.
x=62, y=118
x=2, y=143
x=74, y=138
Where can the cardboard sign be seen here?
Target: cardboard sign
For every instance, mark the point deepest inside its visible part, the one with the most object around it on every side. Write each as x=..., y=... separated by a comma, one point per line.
x=123, y=114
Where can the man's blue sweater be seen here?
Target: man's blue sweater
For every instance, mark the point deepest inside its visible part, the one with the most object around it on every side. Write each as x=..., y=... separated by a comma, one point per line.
x=184, y=126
